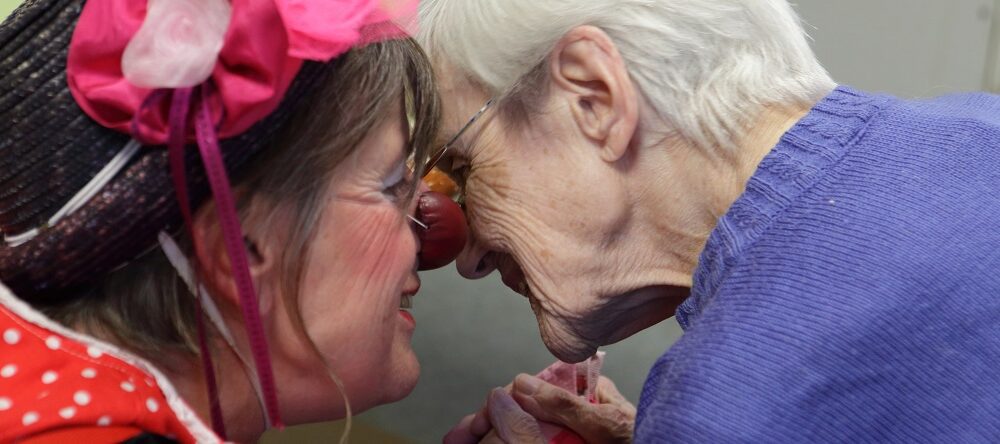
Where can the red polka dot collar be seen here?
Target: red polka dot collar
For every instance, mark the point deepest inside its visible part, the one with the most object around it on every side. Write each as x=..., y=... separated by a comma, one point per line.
x=54, y=381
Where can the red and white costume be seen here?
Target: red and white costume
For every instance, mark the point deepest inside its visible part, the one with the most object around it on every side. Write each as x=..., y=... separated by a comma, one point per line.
x=58, y=385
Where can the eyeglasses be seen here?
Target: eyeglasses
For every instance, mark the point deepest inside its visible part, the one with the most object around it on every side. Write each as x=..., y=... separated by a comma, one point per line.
x=436, y=158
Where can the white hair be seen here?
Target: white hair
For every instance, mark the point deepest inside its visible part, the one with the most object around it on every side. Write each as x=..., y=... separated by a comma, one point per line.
x=706, y=66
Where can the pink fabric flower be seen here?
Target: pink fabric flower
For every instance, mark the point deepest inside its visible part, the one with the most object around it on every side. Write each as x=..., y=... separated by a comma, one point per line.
x=321, y=30
x=177, y=44
x=262, y=51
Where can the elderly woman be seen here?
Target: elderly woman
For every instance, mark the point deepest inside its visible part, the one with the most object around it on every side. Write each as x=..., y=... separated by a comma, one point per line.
x=834, y=254
x=103, y=338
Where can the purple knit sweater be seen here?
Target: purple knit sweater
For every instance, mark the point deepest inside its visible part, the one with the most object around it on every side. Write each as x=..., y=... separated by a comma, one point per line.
x=852, y=293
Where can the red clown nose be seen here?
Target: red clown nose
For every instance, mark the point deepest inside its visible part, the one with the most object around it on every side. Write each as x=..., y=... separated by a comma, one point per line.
x=444, y=237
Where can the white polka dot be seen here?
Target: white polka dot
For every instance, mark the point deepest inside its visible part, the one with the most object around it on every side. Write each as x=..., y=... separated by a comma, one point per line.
x=81, y=397
x=49, y=377
x=8, y=370
x=104, y=421
x=11, y=336
x=152, y=405
x=29, y=418
x=94, y=352
x=67, y=412
x=5, y=403
x=88, y=373
x=128, y=386
x=52, y=342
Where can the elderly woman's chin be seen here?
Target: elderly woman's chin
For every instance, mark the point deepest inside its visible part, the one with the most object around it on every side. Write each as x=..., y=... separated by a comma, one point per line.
x=576, y=337
x=568, y=348
x=562, y=341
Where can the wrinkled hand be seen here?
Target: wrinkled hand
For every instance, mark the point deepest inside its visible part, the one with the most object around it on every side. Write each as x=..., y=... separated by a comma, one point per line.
x=511, y=415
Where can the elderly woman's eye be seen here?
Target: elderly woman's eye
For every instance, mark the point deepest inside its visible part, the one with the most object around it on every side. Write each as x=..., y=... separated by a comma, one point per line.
x=459, y=171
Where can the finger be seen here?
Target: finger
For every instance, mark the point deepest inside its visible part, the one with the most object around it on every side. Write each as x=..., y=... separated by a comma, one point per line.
x=607, y=393
x=461, y=433
x=512, y=423
x=547, y=402
x=492, y=438
x=594, y=422
x=480, y=424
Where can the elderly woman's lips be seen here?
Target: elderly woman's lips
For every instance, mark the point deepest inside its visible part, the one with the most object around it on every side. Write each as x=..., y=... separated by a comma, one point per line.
x=446, y=232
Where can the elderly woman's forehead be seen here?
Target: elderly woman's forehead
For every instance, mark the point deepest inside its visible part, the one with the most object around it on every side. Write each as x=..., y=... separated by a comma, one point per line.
x=460, y=97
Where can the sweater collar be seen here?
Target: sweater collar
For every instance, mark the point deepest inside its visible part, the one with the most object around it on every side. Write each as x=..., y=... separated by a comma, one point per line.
x=800, y=159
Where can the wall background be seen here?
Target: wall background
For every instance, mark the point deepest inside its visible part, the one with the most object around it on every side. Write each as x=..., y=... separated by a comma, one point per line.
x=473, y=336
x=912, y=48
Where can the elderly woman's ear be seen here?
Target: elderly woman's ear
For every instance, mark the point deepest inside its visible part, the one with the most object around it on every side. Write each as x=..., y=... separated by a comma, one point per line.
x=587, y=70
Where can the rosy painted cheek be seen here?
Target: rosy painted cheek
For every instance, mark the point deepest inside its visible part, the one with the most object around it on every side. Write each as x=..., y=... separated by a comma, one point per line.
x=356, y=282
x=379, y=249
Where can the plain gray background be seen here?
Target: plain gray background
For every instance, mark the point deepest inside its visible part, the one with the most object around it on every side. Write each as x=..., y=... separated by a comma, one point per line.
x=472, y=336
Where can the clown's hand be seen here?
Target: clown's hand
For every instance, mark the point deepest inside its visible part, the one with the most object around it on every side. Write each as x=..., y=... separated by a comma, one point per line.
x=513, y=424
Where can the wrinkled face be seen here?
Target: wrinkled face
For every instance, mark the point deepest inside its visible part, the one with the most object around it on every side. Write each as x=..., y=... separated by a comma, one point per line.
x=360, y=267
x=546, y=211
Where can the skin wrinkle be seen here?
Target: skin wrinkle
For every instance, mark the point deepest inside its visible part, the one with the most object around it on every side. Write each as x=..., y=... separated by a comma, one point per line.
x=529, y=229
x=524, y=232
x=374, y=223
x=606, y=245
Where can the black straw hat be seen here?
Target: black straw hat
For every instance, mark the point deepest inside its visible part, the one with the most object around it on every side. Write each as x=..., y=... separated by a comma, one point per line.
x=50, y=150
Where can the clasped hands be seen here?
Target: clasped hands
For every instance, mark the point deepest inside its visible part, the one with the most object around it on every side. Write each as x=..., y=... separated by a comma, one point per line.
x=530, y=410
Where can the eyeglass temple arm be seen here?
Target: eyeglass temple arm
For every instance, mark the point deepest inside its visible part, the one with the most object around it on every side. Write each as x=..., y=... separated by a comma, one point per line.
x=436, y=158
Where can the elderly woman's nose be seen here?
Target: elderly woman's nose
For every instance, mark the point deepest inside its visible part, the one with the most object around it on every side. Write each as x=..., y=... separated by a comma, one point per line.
x=475, y=261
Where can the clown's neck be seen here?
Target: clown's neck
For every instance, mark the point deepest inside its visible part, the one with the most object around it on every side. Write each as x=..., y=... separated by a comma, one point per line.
x=241, y=409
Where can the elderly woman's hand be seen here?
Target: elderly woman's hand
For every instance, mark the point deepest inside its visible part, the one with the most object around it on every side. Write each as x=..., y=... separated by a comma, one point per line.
x=512, y=415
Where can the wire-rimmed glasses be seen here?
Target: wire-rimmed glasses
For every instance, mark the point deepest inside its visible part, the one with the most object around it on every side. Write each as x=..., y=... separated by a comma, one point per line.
x=436, y=158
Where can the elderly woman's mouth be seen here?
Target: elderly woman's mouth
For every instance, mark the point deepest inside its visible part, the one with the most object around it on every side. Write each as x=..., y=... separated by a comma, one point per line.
x=512, y=276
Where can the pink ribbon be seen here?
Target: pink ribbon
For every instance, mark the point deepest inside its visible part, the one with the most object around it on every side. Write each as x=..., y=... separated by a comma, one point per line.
x=179, y=109
x=263, y=50
x=232, y=234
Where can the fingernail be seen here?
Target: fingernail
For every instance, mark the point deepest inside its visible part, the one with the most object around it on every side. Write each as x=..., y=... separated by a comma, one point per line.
x=527, y=384
x=500, y=402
